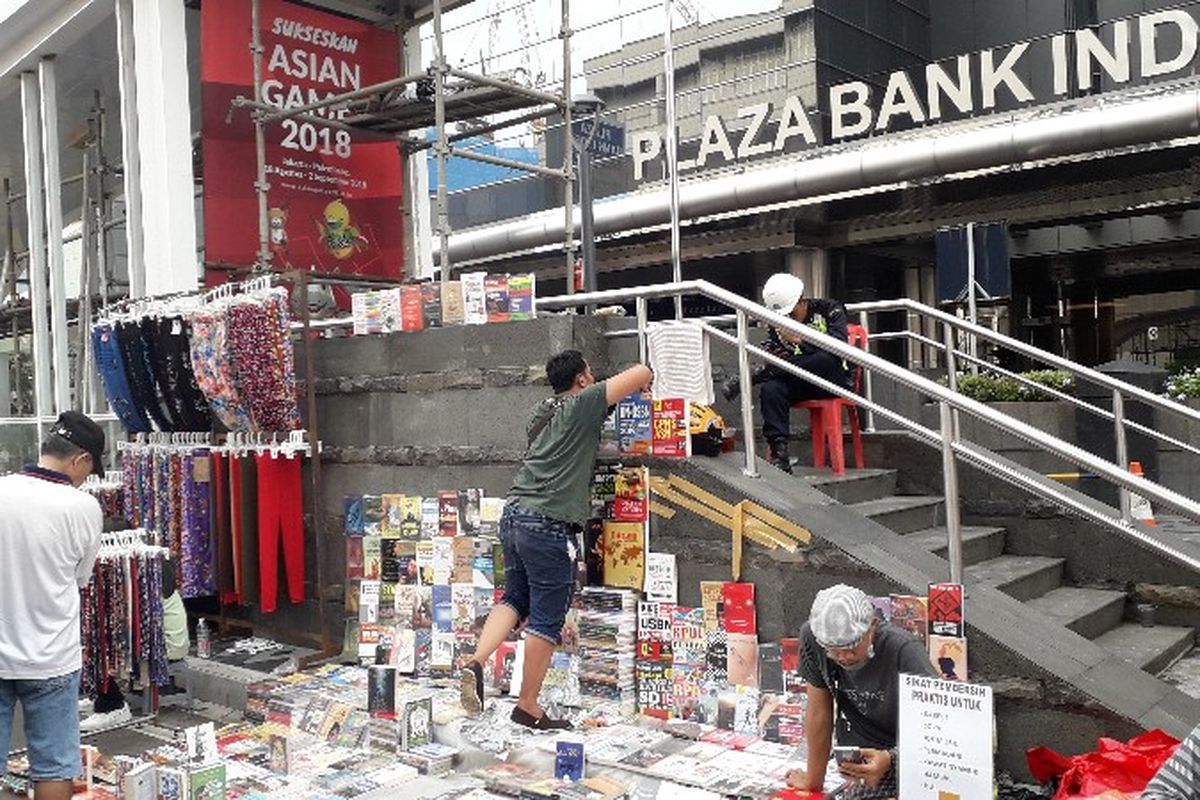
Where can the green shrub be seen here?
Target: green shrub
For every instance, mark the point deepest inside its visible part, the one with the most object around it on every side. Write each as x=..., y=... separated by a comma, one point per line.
x=1184, y=385
x=988, y=388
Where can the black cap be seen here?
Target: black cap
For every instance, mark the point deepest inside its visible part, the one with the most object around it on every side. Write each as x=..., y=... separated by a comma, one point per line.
x=79, y=430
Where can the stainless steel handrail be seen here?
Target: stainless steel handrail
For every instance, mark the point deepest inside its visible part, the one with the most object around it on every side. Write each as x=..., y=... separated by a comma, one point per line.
x=1026, y=349
x=952, y=400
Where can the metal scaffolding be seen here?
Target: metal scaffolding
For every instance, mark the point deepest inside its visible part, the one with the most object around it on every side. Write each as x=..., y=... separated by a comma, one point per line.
x=440, y=95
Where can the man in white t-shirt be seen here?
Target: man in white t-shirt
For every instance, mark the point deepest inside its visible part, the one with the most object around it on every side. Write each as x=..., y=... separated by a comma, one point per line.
x=49, y=535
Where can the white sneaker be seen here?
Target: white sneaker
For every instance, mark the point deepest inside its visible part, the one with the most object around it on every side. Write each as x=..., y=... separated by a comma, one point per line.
x=108, y=719
x=85, y=706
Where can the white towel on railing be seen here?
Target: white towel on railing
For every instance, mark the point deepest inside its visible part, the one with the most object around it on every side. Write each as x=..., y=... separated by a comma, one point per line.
x=679, y=358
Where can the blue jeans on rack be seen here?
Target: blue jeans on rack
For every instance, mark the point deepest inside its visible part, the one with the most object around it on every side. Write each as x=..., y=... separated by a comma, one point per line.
x=116, y=384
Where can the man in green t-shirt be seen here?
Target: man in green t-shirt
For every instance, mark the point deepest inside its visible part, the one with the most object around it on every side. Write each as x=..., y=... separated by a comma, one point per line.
x=539, y=529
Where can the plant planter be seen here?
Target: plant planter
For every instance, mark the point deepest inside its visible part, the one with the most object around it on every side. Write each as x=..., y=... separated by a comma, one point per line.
x=1055, y=418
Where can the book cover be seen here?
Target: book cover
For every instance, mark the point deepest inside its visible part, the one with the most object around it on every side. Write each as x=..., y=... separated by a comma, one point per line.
x=686, y=689
x=593, y=551
x=949, y=656
x=469, y=511
x=173, y=783
x=390, y=311
x=655, y=688
x=737, y=601
x=369, y=635
x=624, y=554
x=431, y=304
x=909, y=613
x=430, y=520
x=453, y=309
x=883, y=608
x=661, y=582
x=520, y=296
x=946, y=610
x=462, y=549
x=424, y=556
x=335, y=716
x=392, y=514
x=406, y=651
x=654, y=631
x=689, y=643
x=372, y=557
x=368, y=603
x=441, y=653
x=424, y=651
x=770, y=668
x=353, y=590
x=443, y=609
x=635, y=430
x=354, y=730
x=207, y=782
x=490, y=511
x=381, y=690
x=502, y=666
x=669, y=419
x=474, y=298
x=448, y=513
x=716, y=655
x=483, y=564
x=412, y=306
x=462, y=605
x=410, y=518
x=789, y=658
x=423, y=611
x=352, y=507
x=406, y=604
x=354, y=558
x=443, y=561
x=389, y=560
x=372, y=509
x=499, y=577
x=497, y=299
x=417, y=723
x=406, y=562
x=360, y=312
x=711, y=594
x=741, y=661
x=631, y=486
x=604, y=490
x=568, y=761
x=387, y=604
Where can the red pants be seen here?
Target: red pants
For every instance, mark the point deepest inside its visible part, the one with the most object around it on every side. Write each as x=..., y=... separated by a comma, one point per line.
x=280, y=515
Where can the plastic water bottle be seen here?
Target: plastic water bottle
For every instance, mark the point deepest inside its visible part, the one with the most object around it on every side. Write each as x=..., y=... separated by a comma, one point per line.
x=203, y=640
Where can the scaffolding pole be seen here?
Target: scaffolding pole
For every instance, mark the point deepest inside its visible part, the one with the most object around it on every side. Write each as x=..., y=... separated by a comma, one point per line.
x=568, y=151
x=672, y=149
x=260, y=142
x=443, y=147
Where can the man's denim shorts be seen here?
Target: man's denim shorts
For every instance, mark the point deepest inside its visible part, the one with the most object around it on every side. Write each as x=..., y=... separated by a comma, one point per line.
x=540, y=563
x=51, y=709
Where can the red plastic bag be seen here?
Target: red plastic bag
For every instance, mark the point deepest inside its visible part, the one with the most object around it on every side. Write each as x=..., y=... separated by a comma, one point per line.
x=1123, y=766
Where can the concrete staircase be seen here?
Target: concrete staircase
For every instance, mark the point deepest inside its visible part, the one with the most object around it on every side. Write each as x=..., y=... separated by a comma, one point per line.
x=1041, y=582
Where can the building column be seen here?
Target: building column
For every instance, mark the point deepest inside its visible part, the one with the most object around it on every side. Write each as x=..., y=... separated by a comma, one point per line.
x=59, y=347
x=35, y=217
x=159, y=184
x=812, y=266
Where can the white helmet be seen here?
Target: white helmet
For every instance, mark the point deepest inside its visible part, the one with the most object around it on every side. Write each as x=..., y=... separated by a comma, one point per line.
x=782, y=291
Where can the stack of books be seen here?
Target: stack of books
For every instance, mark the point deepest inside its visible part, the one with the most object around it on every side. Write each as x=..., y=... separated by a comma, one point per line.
x=607, y=638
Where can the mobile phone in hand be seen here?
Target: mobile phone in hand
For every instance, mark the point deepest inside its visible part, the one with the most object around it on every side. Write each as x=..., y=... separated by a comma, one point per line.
x=848, y=755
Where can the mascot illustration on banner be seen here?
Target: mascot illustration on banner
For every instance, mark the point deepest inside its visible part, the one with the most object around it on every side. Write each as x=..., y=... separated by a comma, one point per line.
x=277, y=222
x=338, y=234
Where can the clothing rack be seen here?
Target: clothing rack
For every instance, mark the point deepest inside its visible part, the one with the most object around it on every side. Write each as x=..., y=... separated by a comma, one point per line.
x=241, y=443
x=183, y=303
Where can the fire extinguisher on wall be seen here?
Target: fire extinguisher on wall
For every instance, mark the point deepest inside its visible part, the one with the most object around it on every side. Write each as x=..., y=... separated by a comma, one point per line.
x=579, y=274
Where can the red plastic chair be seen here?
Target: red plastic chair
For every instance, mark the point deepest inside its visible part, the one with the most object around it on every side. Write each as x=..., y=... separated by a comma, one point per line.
x=825, y=417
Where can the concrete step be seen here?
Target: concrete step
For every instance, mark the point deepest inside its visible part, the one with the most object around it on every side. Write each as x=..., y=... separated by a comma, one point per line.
x=1185, y=673
x=856, y=486
x=1022, y=577
x=1152, y=649
x=1088, y=612
x=979, y=543
x=904, y=514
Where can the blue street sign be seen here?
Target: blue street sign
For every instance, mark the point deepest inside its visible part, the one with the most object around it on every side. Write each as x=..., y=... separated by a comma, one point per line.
x=609, y=139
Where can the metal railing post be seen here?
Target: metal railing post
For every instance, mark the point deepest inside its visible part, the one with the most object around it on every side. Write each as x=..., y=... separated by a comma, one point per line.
x=1122, y=452
x=868, y=383
x=951, y=371
x=643, y=349
x=743, y=334
x=950, y=492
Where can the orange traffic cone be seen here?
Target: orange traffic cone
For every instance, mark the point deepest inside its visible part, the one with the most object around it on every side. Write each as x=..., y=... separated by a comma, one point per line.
x=1138, y=505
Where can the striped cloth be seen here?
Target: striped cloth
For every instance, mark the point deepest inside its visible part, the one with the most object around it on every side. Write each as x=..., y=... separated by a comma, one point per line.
x=680, y=360
x=1179, y=778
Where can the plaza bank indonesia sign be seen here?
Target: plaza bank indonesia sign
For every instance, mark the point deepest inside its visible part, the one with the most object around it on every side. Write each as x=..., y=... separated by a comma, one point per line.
x=854, y=112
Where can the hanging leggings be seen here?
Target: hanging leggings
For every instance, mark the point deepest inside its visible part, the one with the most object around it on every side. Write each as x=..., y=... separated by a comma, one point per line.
x=214, y=371
x=259, y=366
x=116, y=386
x=170, y=346
x=139, y=373
x=199, y=574
x=219, y=502
x=243, y=512
x=280, y=516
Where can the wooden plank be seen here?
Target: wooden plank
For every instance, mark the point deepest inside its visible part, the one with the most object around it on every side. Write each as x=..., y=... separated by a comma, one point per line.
x=708, y=498
x=739, y=517
x=781, y=523
x=662, y=509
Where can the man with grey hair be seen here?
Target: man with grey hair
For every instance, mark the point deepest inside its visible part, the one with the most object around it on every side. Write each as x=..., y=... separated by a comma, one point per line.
x=51, y=535
x=850, y=657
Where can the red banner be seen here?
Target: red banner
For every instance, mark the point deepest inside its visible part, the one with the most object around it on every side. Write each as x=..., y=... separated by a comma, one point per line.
x=334, y=197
